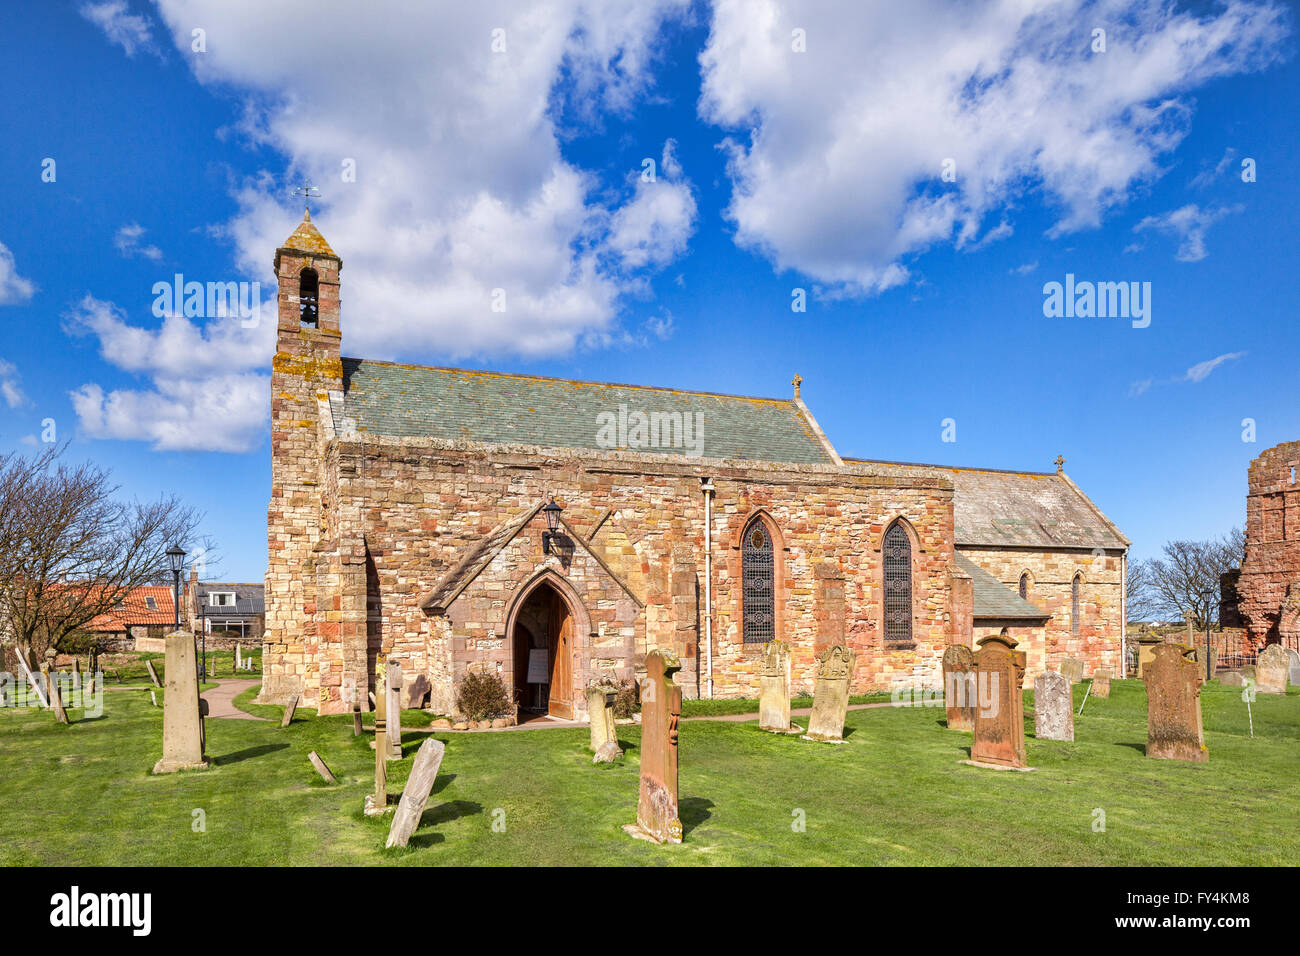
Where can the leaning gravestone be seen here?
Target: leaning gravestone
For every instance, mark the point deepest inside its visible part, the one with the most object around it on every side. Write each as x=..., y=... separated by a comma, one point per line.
x=321, y=769
x=356, y=720
x=831, y=695
x=182, y=713
x=1053, y=707
x=1072, y=669
x=153, y=674
x=600, y=713
x=1101, y=683
x=657, y=817
x=56, y=693
x=415, y=795
x=289, y=710
x=377, y=801
x=958, y=686
x=999, y=706
x=394, y=710
x=1272, y=670
x=1174, y=706
x=774, y=688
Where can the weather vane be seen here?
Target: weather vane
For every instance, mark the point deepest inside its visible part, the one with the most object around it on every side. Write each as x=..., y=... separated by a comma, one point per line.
x=308, y=192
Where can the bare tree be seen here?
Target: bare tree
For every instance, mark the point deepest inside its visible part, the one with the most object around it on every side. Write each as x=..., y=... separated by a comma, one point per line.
x=1176, y=583
x=71, y=550
x=1138, y=603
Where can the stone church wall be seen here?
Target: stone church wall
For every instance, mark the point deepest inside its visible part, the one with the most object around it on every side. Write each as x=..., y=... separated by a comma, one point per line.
x=1268, y=587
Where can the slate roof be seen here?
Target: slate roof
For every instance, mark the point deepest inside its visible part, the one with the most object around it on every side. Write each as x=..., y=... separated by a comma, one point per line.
x=250, y=599
x=412, y=401
x=993, y=599
x=1019, y=508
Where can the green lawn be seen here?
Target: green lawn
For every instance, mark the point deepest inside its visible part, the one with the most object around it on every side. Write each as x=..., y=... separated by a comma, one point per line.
x=895, y=793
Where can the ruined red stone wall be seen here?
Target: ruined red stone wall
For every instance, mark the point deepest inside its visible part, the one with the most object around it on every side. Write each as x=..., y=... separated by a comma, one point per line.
x=1269, y=585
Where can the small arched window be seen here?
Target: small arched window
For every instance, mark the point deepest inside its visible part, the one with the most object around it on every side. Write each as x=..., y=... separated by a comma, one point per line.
x=897, y=555
x=758, y=584
x=1024, y=586
x=1075, y=587
x=308, y=298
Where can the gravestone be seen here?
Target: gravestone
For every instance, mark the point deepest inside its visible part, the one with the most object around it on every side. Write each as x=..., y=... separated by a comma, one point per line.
x=377, y=801
x=153, y=696
x=289, y=710
x=239, y=660
x=356, y=720
x=1101, y=683
x=415, y=795
x=1053, y=707
x=394, y=710
x=153, y=674
x=1272, y=670
x=1232, y=679
x=600, y=714
x=774, y=688
x=321, y=769
x=1072, y=669
x=1293, y=666
x=1199, y=653
x=182, y=709
x=415, y=691
x=657, y=817
x=999, y=707
x=76, y=675
x=958, y=686
x=831, y=695
x=56, y=694
x=1147, y=645
x=1174, y=706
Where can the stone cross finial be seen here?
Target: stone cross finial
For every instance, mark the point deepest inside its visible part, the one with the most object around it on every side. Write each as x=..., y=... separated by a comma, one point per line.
x=1059, y=463
x=796, y=382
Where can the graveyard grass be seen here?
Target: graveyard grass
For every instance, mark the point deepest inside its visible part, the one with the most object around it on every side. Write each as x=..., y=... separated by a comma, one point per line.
x=895, y=793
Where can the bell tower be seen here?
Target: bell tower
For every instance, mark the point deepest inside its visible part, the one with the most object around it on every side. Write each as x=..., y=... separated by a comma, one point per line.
x=305, y=374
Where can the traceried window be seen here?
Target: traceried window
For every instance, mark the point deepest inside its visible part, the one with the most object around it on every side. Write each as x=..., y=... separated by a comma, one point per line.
x=758, y=584
x=1024, y=586
x=898, y=584
x=1074, y=605
x=308, y=298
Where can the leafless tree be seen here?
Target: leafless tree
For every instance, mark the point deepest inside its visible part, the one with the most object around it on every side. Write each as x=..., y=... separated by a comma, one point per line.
x=71, y=549
x=1176, y=583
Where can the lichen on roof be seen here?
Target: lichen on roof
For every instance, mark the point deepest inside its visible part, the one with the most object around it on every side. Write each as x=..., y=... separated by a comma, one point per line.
x=307, y=238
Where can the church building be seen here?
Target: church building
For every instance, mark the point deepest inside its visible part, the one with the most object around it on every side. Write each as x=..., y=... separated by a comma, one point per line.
x=554, y=532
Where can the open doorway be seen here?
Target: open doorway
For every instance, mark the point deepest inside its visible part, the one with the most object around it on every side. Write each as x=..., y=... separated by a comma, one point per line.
x=542, y=646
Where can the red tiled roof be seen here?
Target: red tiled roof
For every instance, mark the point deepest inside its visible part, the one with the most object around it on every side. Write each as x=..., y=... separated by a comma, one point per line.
x=134, y=611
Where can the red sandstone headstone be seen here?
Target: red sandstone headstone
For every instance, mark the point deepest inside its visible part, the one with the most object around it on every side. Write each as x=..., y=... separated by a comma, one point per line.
x=661, y=708
x=999, y=706
x=1174, y=706
x=958, y=686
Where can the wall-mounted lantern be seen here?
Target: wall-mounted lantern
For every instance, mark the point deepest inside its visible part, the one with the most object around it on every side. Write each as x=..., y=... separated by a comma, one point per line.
x=552, y=512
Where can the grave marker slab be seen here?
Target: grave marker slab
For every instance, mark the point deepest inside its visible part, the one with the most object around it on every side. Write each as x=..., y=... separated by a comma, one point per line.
x=153, y=674
x=1174, y=706
x=321, y=769
x=657, y=817
x=958, y=686
x=1072, y=669
x=1053, y=707
x=1272, y=670
x=356, y=720
x=831, y=695
x=289, y=710
x=1293, y=666
x=394, y=710
x=600, y=714
x=415, y=795
x=182, y=709
x=1232, y=679
x=999, y=707
x=377, y=802
x=774, y=688
x=1101, y=683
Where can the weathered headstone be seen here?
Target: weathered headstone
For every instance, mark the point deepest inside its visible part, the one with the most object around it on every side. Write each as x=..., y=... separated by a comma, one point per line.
x=394, y=710
x=1174, y=706
x=182, y=709
x=239, y=660
x=56, y=693
x=377, y=802
x=1101, y=683
x=356, y=720
x=76, y=675
x=1232, y=679
x=1072, y=669
x=153, y=674
x=1272, y=670
x=657, y=817
x=415, y=795
x=321, y=769
x=600, y=713
x=1053, y=707
x=415, y=691
x=1293, y=666
x=831, y=694
x=289, y=710
x=1147, y=645
x=774, y=688
x=153, y=696
x=959, y=687
x=999, y=738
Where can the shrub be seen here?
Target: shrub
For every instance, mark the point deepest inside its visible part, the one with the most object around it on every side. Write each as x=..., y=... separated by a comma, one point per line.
x=482, y=696
x=628, y=701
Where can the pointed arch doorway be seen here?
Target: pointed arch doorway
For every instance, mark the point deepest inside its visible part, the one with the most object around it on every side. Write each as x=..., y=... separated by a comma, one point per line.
x=544, y=622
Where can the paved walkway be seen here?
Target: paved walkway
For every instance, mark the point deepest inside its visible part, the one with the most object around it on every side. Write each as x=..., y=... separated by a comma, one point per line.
x=221, y=699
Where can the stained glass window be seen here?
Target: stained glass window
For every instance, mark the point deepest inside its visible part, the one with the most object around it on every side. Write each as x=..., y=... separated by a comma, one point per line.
x=898, y=584
x=758, y=566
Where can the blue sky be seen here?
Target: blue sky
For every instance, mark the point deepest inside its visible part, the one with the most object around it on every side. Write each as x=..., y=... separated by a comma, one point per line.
x=776, y=168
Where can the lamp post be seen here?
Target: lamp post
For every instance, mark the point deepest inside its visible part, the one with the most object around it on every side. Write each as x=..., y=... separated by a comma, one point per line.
x=203, y=629
x=552, y=512
x=1208, y=595
x=176, y=557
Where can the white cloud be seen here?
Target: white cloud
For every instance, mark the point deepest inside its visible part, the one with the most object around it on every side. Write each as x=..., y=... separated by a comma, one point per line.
x=1201, y=370
x=461, y=188
x=13, y=287
x=127, y=242
x=838, y=159
x=1208, y=175
x=1188, y=225
x=207, y=390
x=129, y=31
x=10, y=392
x=1024, y=269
